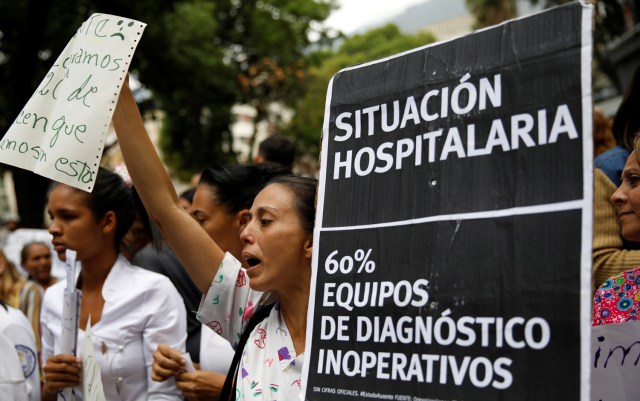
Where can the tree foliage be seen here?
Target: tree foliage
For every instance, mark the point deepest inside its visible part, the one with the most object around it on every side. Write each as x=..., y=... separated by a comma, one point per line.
x=184, y=67
x=306, y=125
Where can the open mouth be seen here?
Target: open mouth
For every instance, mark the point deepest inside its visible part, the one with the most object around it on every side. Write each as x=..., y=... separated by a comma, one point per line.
x=253, y=262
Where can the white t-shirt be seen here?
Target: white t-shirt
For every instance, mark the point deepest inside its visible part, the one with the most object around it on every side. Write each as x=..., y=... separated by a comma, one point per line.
x=15, y=327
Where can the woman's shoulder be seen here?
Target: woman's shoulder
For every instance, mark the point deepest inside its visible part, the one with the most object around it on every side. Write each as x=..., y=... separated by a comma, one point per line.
x=144, y=280
x=12, y=316
x=137, y=275
x=56, y=289
x=52, y=299
x=135, y=288
x=29, y=285
x=631, y=274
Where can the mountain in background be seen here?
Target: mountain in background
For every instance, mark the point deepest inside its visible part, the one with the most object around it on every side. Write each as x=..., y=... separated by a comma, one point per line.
x=434, y=12
x=416, y=17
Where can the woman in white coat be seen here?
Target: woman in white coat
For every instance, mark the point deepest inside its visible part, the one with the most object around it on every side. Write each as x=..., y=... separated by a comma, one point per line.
x=132, y=310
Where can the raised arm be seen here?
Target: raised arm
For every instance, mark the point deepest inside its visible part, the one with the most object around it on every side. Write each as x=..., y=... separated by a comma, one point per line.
x=200, y=255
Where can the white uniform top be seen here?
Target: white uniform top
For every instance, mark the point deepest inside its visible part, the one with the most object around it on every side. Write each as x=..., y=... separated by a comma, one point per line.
x=15, y=327
x=216, y=353
x=141, y=310
x=270, y=369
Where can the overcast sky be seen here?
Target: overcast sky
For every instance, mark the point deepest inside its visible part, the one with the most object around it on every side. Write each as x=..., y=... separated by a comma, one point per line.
x=354, y=14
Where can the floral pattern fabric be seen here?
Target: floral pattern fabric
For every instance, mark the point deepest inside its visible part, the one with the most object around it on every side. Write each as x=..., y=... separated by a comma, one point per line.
x=269, y=369
x=618, y=299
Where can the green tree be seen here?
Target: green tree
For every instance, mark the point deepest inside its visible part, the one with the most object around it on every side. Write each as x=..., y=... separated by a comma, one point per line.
x=190, y=57
x=306, y=125
x=184, y=66
x=271, y=51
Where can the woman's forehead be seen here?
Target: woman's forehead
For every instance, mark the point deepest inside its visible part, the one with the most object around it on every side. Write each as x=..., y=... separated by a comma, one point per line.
x=632, y=160
x=68, y=189
x=36, y=247
x=274, y=196
x=204, y=192
x=68, y=195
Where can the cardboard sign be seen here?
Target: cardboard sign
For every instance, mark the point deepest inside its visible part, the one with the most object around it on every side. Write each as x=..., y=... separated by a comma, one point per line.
x=91, y=379
x=615, y=353
x=453, y=236
x=60, y=133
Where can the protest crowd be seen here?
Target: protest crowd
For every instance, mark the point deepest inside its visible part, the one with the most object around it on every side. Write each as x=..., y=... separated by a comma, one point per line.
x=204, y=294
x=136, y=290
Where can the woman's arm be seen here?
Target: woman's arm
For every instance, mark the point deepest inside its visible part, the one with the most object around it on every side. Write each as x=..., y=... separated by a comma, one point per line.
x=200, y=255
x=166, y=323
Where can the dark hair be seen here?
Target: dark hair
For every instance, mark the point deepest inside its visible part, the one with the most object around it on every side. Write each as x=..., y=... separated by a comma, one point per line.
x=25, y=249
x=110, y=193
x=304, y=191
x=188, y=194
x=627, y=119
x=236, y=185
x=278, y=150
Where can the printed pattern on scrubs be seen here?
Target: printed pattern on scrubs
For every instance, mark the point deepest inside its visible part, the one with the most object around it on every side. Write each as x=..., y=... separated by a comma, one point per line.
x=269, y=369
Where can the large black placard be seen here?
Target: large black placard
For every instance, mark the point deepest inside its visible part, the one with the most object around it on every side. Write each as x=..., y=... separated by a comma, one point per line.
x=452, y=235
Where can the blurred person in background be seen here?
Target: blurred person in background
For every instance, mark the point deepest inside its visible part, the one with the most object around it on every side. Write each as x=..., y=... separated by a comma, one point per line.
x=186, y=198
x=11, y=282
x=603, y=139
x=10, y=222
x=278, y=151
x=36, y=261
